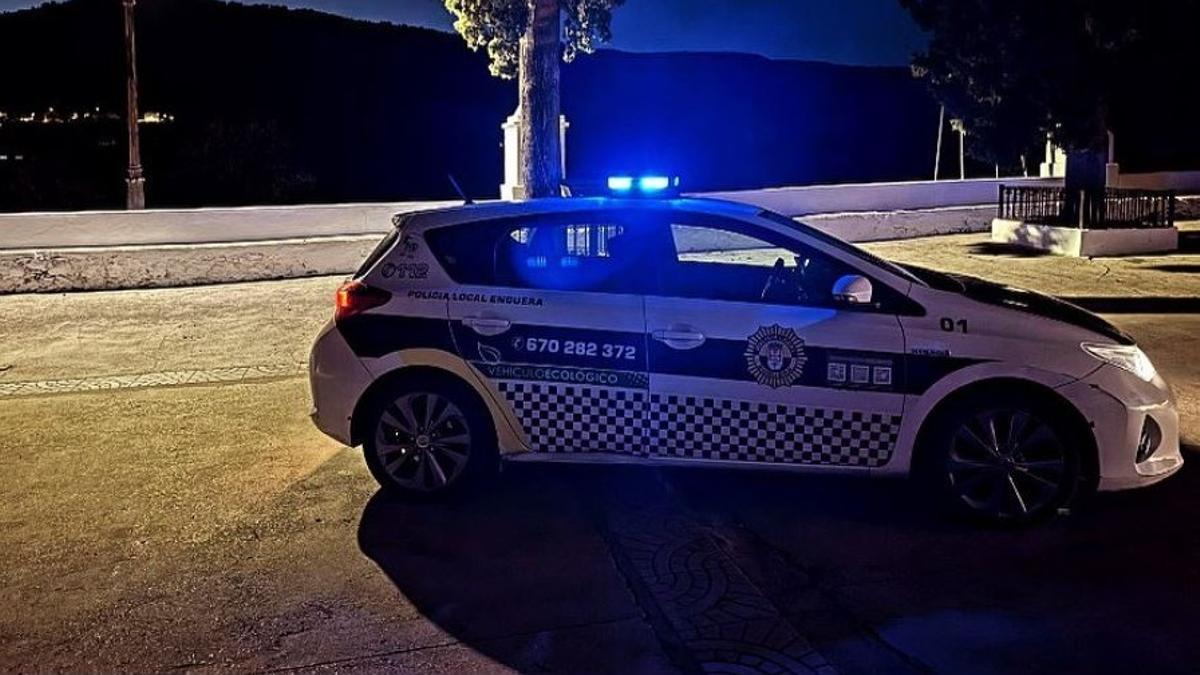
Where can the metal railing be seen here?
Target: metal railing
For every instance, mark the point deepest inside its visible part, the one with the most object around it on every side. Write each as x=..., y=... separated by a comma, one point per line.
x=1114, y=208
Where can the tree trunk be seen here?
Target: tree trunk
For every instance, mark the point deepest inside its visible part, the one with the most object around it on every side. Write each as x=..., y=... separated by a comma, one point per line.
x=541, y=52
x=1084, y=186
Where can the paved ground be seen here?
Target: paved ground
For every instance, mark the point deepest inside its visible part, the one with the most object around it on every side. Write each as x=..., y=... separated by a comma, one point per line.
x=190, y=517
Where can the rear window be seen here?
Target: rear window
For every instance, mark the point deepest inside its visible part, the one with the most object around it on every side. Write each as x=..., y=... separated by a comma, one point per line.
x=465, y=251
x=376, y=254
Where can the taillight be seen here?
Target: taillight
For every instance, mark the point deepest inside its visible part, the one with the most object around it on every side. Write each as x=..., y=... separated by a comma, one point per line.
x=355, y=297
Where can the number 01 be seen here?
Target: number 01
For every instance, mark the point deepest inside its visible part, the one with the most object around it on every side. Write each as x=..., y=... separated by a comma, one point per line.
x=950, y=325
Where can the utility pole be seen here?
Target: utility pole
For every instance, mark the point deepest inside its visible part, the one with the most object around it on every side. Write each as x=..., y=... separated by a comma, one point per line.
x=135, y=182
x=937, y=155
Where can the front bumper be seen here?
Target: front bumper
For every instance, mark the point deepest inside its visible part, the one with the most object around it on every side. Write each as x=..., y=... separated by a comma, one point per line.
x=337, y=379
x=1117, y=404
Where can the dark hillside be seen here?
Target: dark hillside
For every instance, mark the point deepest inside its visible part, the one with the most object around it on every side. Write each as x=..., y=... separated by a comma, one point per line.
x=275, y=105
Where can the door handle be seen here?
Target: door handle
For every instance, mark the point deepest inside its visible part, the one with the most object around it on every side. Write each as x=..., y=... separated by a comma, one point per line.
x=679, y=339
x=487, y=325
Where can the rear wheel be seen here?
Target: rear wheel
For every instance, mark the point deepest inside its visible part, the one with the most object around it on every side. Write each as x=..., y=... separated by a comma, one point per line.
x=1004, y=460
x=427, y=440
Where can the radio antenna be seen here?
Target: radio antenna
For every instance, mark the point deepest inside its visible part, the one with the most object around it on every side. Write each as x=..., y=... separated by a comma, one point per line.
x=467, y=201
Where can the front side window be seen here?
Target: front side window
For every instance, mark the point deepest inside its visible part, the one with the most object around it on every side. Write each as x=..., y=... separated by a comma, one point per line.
x=723, y=263
x=843, y=246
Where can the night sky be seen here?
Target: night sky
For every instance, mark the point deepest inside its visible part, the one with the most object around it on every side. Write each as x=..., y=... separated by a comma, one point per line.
x=842, y=31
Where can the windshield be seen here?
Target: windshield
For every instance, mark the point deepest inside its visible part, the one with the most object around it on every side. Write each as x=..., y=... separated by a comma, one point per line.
x=844, y=246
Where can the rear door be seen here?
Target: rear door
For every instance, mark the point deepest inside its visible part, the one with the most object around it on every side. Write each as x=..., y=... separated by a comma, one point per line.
x=557, y=329
x=747, y=369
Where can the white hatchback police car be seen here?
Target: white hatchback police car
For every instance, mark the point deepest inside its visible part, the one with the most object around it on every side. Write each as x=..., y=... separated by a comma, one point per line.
x=699, y=332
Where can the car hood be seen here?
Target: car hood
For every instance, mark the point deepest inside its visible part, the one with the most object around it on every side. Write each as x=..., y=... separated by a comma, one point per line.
x=1021, y=300
x=1040, y=305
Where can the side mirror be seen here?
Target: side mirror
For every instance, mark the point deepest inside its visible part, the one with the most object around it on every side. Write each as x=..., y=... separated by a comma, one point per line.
x=852, y=289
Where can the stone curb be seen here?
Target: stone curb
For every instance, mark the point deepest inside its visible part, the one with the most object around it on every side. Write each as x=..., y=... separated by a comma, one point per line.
x=169, y=378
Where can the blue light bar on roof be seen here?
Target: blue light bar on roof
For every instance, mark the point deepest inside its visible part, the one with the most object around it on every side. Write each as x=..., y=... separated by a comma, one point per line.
x=648, y=185
x=653, y=183
x=620, y=183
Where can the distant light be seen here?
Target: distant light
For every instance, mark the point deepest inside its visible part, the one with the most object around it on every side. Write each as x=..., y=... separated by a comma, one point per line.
x=653, y=183
x=620, y=183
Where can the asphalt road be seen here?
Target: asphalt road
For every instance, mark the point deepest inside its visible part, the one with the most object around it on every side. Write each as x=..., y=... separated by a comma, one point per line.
x=208, y=525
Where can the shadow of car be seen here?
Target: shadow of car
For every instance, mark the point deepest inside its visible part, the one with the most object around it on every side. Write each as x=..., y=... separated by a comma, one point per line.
x=529, y=572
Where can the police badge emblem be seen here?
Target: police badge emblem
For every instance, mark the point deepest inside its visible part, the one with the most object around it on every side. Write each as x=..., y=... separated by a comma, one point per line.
x=775, y=356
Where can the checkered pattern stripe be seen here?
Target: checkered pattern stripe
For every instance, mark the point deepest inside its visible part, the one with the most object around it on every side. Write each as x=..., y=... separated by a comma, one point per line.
x=708, y=428
x=560, y=418
x=572, y=418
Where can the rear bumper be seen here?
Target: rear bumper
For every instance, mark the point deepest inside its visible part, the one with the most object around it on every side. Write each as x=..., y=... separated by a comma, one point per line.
x=337, y=379
x=1118, y=405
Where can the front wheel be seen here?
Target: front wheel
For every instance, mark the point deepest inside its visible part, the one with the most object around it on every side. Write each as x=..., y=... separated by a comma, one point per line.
x=427, y=440
x=1002, y=460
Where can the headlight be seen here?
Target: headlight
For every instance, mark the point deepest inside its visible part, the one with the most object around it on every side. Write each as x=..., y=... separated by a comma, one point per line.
x=1125, y=357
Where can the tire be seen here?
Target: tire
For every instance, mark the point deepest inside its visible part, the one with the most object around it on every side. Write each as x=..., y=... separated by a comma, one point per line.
x=427, y=439
x=1003, y=460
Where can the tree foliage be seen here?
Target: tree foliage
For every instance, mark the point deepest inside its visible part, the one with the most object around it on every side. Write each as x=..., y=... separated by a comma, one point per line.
x=1015, y=70
x=497, y=26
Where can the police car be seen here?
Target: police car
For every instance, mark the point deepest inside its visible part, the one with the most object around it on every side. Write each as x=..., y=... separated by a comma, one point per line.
x=698, y=332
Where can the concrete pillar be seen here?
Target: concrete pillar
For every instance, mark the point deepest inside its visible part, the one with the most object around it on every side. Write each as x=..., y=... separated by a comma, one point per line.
x=511, y=189
x=1112, y=170
x=961, y=128
x=511, y=144
x=1055, y=165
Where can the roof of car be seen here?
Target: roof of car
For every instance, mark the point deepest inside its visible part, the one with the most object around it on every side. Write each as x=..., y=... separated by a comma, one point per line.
x=491, y=210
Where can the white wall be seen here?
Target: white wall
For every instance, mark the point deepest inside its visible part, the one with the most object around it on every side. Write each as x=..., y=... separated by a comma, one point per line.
x=1072, y=241
x=1186, y=182
x=881, y=203
x=121, y=249
x=163, y=265
x=860, y=226
x=813, y=199
x=197, y=226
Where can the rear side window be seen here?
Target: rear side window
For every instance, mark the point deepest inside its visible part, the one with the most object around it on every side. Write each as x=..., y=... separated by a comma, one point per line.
x=377, y=253
x=581, y=252
x=577, y=256
x=579, y=240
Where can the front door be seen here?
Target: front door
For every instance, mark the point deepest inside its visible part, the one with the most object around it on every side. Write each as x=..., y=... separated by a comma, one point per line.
x=753, y=360
x=560, y=333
